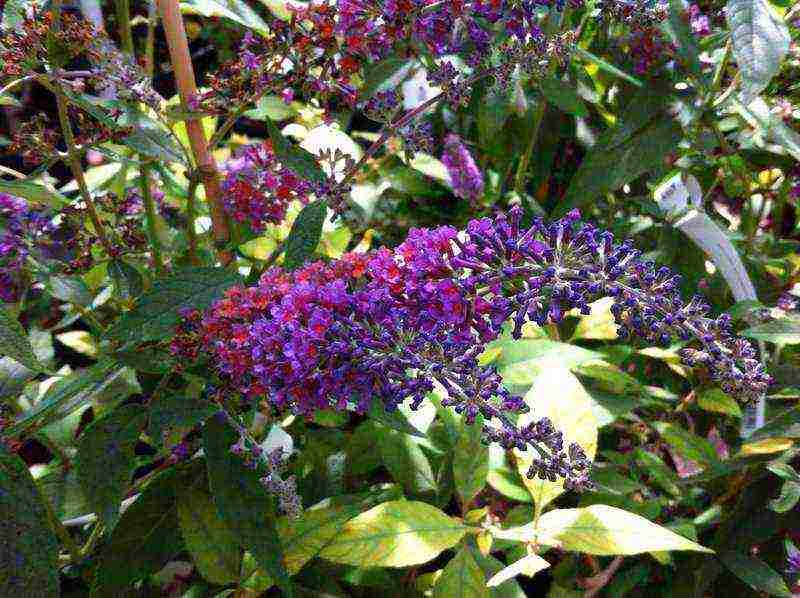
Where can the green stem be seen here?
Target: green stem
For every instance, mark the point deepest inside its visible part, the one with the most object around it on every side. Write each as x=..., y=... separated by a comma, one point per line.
x=150, y=42
x=522, y=168
x=74, y=161
x=554, y=28
x=191, y=216
x=63, y=534
x=150, y=217
x=97, y=531
x=124, y=24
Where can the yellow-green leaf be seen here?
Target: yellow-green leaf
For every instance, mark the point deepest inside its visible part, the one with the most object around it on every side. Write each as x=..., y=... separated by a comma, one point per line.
x=719, y=402
x=79, y=341
x=394, y=534
x=605, y=530
x=214, y=550
x=599, y=324
x=558, y=395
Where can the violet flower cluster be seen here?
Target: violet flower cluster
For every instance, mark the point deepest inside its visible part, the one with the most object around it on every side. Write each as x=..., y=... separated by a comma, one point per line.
x=20, y=228
x=258, y=188
x=465, y=176
x=395, y=324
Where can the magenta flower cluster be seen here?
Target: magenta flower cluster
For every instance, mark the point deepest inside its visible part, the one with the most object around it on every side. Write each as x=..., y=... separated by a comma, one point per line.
x=394, y=324
x=258, y=188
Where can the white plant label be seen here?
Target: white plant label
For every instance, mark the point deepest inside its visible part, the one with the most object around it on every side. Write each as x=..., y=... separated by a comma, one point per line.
x=680, y=197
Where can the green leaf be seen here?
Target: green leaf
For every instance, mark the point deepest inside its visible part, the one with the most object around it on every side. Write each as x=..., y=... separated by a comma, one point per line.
x=63, y=490
x=557, y=394
x=688, y=445
x=790, y=494
x=305, y=234
x=235, y=10
x=158, y=311
x=28, y=546
x=14, y=343
x=783, y=425
x=128, y=281
x=784, y=471
x=394, y=534
x=213, y=548
x=760, y=43
x=70, y=289
x=243, y=502
x=145, y=135
x=13, y=378
x=66, y=395
x=780, y=332
x=105, y=460
x=172, y=412
x=659, y=472
x=719, y=402
x=271, y=107
x=607, y=169
x=7, y=100
x=376, y=74
x=606, y=66
x=145, y=538
x=521, y=361
x=564, y=96
x=470, y=462
x=408, y=464
x=303, y=538
x=600, y=530
x=461, y=578
x=295, y=157
x=755, y=573
x=392, y=419
x=34, y=192
x=684, y=39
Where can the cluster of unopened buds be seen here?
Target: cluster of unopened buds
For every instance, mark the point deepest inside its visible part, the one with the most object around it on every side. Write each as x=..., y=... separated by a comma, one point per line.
x=271, y=464
x=393, y=325
x=122, y=218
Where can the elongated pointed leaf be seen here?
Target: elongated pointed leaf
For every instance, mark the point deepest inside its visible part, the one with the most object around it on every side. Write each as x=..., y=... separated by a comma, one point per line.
x=14, y=343
x=105, y=460
x=305, y=234
x=243, y=502
x=34, y=192
x=214, y=550
x=145, y=538
x=158, y=311
x=66, y=395
x=28, y=545
x=760, y=43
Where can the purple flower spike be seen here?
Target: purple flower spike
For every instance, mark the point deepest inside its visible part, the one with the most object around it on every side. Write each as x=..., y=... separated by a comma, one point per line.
x=465, y=176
